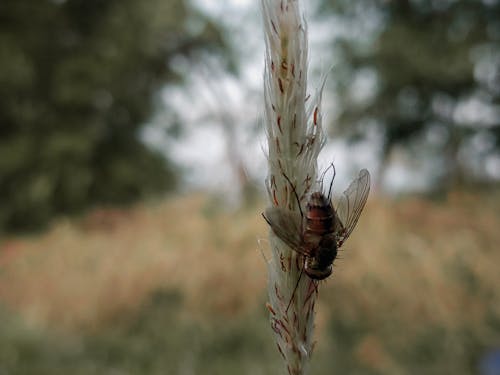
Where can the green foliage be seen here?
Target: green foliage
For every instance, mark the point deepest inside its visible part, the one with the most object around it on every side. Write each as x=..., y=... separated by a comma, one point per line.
x=77, y=80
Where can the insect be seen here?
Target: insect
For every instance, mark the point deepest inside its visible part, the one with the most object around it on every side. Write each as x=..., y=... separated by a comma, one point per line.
x=319, y=233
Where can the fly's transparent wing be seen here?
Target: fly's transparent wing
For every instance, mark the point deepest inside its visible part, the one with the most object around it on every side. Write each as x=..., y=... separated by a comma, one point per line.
x=350, y=206
x=287, y=225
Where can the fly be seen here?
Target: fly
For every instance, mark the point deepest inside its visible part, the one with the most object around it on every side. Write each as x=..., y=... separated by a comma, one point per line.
x=318, y=233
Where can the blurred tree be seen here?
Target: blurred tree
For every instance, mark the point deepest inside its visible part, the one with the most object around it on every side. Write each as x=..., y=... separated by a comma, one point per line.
x=425, y=74
x=78, y=78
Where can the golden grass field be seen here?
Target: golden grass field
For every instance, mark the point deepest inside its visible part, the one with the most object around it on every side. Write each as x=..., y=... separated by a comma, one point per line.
x=417, y=288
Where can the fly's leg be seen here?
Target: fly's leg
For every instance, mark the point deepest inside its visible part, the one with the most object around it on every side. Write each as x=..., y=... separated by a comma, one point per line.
x=331, y=182
x=295, y=193
x=294, y=290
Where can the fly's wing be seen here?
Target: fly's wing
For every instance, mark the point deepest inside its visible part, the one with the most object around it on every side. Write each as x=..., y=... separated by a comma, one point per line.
x=350, y=206
x=287, y=225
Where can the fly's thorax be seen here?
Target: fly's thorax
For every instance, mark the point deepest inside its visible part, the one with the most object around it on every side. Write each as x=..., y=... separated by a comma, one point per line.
x=327, y=250
x=319, y=265
x=311, y=240
x=319, y=216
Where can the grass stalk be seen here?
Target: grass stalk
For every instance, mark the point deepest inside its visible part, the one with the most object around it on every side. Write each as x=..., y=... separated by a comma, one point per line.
x=294, y=139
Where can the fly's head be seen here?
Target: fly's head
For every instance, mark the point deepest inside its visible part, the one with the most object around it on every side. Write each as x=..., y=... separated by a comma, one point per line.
x=315, y=271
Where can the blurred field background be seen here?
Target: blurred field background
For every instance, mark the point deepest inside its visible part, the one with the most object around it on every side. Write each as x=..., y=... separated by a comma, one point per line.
x=179, y=287
x=131, y=177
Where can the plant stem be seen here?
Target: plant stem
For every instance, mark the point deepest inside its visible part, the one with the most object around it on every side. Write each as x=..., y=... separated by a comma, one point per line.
x=294, y=139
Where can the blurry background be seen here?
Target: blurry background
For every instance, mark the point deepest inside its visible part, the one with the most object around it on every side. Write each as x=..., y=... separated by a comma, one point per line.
x=131, y=186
